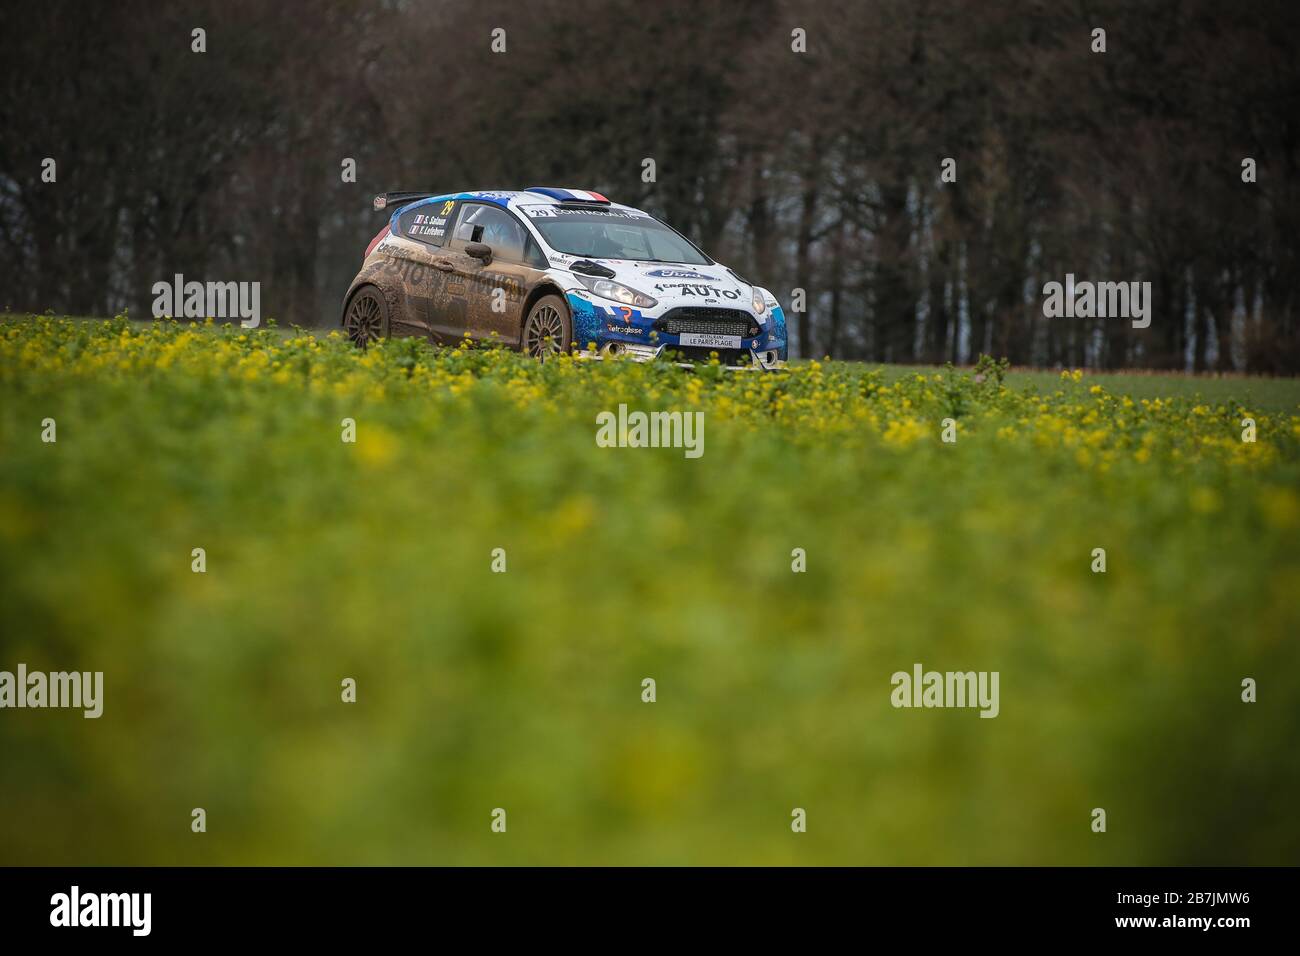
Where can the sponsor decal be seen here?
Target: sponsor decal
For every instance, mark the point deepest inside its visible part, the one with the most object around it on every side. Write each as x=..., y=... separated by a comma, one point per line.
x=403, y=267
x=485, y=281
x=626, y=312
x=431, y=227
x=556, y=212
x=700, y=291
x=678, y=274
x=626, y=329
x=492, y=281
x=709, y=341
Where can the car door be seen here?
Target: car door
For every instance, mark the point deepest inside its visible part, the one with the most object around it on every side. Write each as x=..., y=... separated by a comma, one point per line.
x=425, y=269
x=492, y=292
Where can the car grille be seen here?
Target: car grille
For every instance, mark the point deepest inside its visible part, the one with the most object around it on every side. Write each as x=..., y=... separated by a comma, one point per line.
x=708, y=321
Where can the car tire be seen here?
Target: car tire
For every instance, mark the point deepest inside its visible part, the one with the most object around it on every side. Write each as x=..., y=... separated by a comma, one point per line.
x=548, y=329
x=365, y=319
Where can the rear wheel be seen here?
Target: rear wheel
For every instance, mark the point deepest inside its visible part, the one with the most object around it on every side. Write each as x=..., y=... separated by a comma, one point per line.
x=547, y=329
x=365, y=320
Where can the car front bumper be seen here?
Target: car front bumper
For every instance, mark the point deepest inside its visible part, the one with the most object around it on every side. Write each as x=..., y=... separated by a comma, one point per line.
x=759, y=359
x=600, y=333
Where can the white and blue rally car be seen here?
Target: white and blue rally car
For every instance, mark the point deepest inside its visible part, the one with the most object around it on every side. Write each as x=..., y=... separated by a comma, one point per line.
x=546, y=270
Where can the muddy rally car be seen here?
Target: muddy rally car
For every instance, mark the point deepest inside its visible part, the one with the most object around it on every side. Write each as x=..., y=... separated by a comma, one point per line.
x=549, y=270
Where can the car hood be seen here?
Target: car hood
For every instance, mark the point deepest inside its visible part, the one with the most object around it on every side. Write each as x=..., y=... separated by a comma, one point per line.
x=697, y=285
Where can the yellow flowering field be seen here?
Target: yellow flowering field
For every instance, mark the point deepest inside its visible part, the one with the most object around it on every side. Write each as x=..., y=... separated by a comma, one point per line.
x=500, y=587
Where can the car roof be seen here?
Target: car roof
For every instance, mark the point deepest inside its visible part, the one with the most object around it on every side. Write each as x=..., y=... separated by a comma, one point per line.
x=511, y=198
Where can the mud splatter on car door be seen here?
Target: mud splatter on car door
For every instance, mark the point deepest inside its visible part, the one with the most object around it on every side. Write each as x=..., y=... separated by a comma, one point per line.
x=424, y=268
x=493, y=286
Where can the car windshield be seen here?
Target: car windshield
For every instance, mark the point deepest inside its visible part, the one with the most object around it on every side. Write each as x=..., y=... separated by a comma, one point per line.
x=612, y=234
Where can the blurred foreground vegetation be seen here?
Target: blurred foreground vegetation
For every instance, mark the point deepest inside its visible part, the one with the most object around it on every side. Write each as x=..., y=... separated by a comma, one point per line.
x=522, y=690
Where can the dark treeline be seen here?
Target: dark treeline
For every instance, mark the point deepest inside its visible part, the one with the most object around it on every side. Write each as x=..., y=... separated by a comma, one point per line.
x=817, y=171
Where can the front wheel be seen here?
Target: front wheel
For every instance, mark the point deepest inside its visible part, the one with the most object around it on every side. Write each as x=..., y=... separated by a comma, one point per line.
x=365, y=320
x=547, y=329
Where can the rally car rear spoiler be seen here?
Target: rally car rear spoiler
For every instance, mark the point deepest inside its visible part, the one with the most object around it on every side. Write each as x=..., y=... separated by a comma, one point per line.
x=390, y=200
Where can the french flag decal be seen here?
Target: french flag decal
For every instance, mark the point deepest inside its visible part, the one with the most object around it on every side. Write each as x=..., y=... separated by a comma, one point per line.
x=568, y=195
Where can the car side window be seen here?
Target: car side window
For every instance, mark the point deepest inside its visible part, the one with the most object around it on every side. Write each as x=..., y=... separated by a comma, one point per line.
x=428, y=223
x=493, y=226
x=534, y=257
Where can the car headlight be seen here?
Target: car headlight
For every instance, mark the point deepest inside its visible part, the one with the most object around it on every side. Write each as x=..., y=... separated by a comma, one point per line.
x=608, y=289
x=759, y=305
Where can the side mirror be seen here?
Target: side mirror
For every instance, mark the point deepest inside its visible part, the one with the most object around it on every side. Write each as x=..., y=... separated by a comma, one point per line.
x=479, y=250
